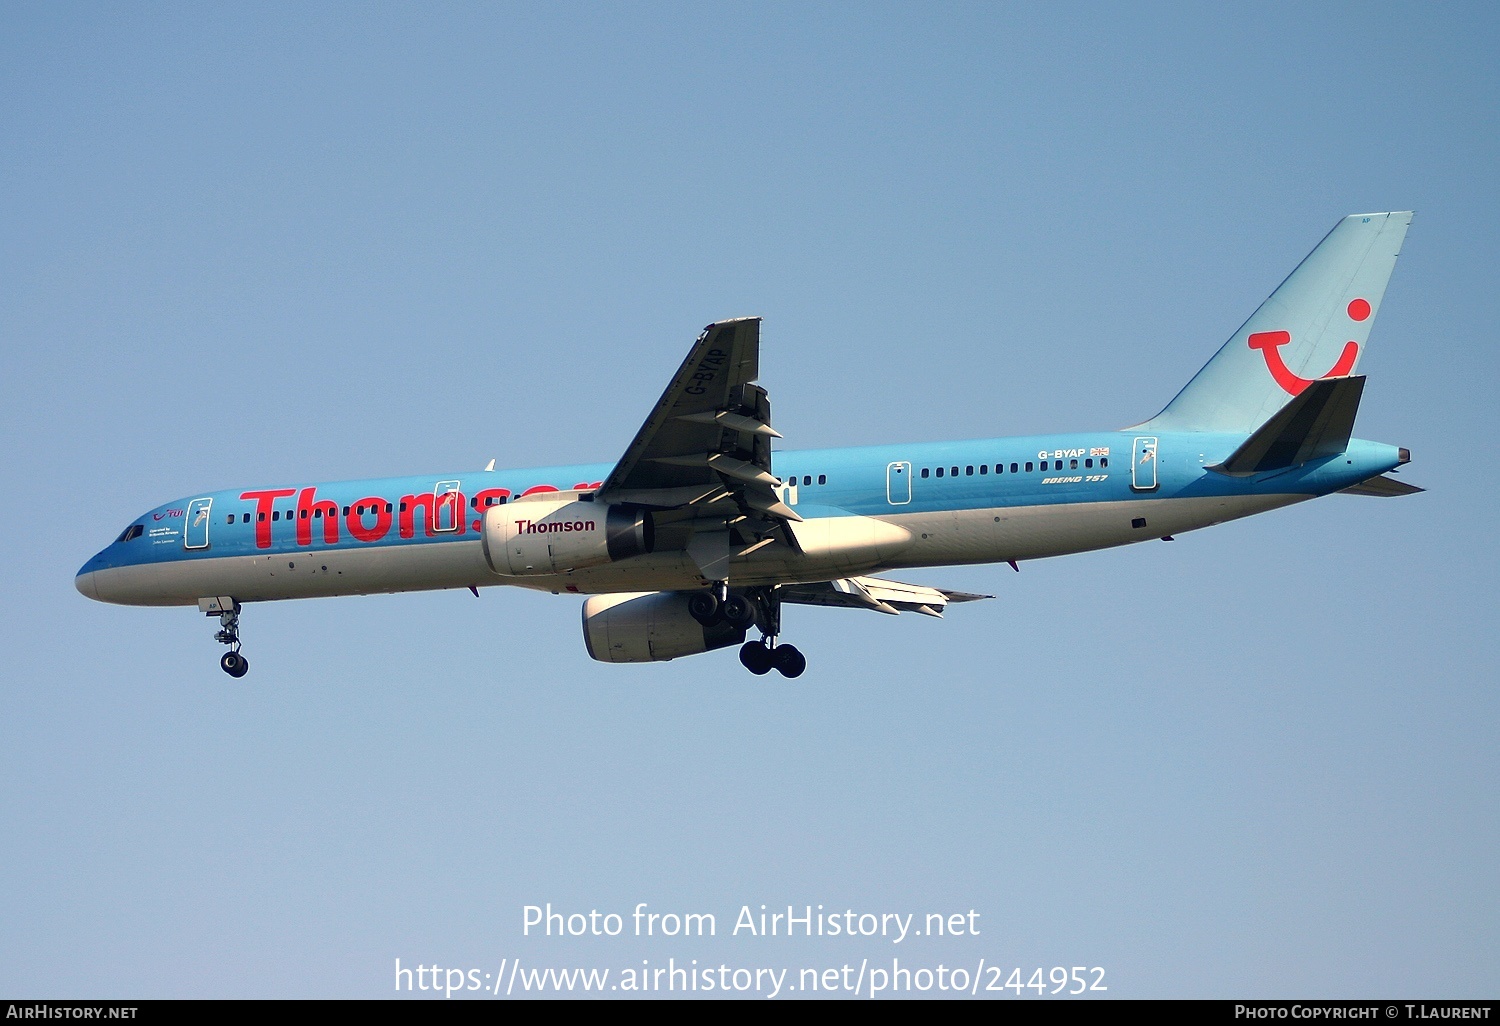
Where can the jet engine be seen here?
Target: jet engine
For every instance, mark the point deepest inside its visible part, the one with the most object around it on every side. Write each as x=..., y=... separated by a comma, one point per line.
x=649, y=627
x=537, y=537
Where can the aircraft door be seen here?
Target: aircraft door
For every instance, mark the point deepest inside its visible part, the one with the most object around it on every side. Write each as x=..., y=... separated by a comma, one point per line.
x=447, y=506
x=195, y=531
x=898, y=483
x=1143, y=464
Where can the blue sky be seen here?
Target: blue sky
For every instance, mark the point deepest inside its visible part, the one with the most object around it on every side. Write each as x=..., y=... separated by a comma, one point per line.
x=256, y=245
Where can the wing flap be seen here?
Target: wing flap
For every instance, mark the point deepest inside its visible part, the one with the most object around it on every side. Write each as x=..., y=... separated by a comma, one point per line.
x=876, y=594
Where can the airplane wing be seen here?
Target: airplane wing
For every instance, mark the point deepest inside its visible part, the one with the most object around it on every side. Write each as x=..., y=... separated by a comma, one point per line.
x=876, y=593
x=705, y=451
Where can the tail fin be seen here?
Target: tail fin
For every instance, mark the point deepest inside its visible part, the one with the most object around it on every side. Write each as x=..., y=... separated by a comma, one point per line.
x=1314, y=325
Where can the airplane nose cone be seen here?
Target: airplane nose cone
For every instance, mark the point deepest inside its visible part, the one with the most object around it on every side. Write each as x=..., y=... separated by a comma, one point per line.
x=84, y=582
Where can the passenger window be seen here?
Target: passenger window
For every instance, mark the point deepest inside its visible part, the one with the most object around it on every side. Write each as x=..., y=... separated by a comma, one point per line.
x=1088, y=464
x=388, y=507
x=304, y=514
x=1072, y=464
x=275, y=514
x=969, y=471
x=953, y=471
x=940, y=472
x=1103, y=461
x=822, y=479
x=1028, y=466
x=1014, y=470
x=984, y=468
x=924, y=471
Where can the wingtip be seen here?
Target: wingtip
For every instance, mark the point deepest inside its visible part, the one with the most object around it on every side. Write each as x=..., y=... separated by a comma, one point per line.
x=1405, y=215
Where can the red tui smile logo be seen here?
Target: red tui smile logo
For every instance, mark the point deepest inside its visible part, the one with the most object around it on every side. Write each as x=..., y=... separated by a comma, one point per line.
x=1270, y=343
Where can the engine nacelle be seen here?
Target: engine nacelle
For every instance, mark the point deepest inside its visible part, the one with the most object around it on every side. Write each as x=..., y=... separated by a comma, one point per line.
x=649, y=627
x=540, y=536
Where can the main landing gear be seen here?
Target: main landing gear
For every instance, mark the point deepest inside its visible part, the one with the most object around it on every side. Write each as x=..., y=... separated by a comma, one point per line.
x=231, y=662
x=761, y=657
x=742, y=610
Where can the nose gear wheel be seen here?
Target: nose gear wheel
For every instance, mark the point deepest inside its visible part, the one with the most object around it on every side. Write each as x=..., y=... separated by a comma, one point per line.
x=231, y=662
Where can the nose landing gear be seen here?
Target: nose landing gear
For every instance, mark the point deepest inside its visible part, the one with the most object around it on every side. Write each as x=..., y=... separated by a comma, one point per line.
x=228, y=612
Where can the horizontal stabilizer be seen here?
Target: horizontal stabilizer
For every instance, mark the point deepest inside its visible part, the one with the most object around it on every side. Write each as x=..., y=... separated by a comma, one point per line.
x=877, y=594
x=1314, y=425
x=1382, y=486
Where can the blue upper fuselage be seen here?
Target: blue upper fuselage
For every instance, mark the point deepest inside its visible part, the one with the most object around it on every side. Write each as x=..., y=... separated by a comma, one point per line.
x=869, y=481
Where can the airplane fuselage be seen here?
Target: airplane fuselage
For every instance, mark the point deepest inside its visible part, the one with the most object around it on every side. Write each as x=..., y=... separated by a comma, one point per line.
x=865, y=510
x=700, y=532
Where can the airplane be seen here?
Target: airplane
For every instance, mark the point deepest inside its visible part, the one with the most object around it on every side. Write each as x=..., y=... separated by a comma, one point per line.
x=701, y=531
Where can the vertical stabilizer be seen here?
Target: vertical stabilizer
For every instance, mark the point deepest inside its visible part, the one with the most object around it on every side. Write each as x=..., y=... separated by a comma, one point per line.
x=1315, y=325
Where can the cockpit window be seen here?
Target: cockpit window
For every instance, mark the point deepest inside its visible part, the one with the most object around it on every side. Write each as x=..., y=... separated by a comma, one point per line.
x=131, y=533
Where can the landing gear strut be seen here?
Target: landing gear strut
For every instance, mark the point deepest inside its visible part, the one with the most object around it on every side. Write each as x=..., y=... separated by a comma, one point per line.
x=232, y=662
